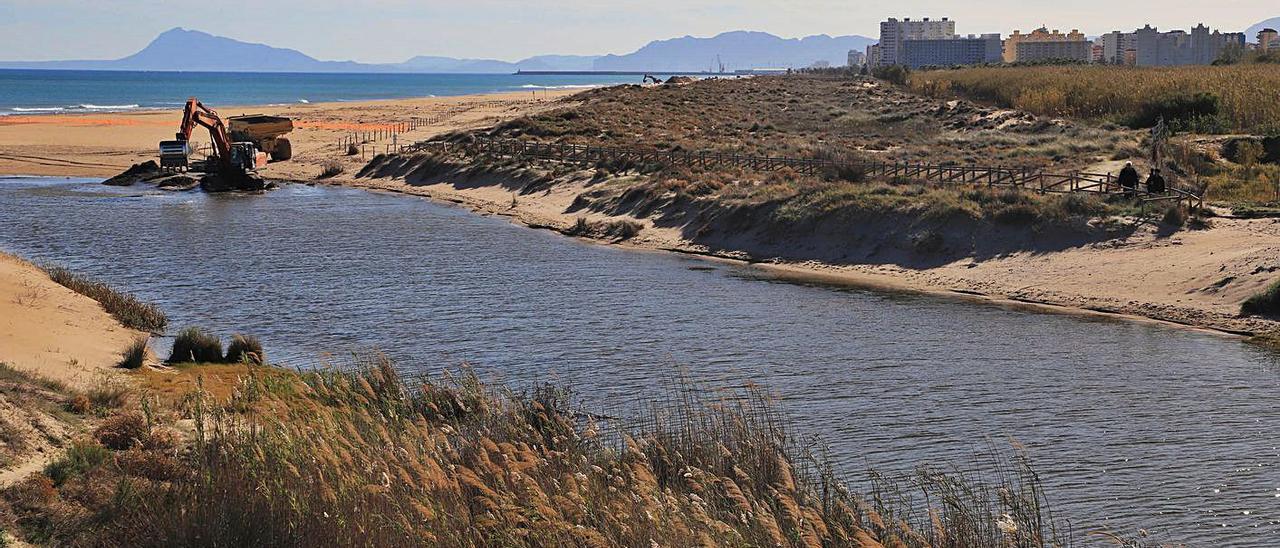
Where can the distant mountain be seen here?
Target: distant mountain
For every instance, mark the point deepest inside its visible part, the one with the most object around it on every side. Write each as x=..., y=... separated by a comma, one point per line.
x=737, y=50
x=190, y=50
x=1252, y=33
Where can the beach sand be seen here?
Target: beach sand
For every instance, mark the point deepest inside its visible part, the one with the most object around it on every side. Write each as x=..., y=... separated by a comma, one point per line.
x=102, y=145
x=54, y=332
x=1194, y=277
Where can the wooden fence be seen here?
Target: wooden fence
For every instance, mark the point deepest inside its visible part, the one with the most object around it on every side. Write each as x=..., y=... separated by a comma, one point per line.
x=1045, y=182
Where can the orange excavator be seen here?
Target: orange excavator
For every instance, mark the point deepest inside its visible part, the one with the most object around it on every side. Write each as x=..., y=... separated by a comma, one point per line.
x=241, y=148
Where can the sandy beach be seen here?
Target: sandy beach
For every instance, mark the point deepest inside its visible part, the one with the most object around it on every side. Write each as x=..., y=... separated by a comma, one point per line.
x=102, y=145
x=1195, y=278
x=54, y=332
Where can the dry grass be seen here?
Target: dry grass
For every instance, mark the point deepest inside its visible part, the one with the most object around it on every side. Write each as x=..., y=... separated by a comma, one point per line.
x=457, y=463
x=804, y=117
x=798, y=117
x=1246, y=93
x=331, y=168
x=124, y=307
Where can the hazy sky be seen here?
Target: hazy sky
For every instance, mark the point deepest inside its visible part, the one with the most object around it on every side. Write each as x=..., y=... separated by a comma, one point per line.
x=393, y=30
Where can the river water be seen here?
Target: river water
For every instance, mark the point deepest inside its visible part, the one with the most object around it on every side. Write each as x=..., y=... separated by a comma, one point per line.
x=1131, y=425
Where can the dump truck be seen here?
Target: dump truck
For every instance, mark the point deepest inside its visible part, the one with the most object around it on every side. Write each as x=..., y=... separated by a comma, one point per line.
x=243, y=145
x=265, y=132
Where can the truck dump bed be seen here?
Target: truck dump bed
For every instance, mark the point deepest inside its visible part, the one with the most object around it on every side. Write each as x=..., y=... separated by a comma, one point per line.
x=258, y=126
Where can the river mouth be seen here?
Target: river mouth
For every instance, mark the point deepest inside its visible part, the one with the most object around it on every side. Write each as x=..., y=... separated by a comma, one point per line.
x=1131, y=425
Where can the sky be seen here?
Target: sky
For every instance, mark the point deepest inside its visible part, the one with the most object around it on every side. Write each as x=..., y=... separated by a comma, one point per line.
x=379, y=31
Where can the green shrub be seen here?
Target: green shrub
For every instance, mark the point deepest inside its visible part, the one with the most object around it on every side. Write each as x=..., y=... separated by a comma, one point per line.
x=1016, y=214
x=81, y=457
x=136, y=355
x=843, y=166
x=195, y=346
x=1266, y=303
x=1180, y=111
x=246, y=349
x=896, y=74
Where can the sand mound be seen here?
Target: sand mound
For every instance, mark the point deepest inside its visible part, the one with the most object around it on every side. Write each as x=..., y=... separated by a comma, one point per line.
x=53, y=331
x=145, y=171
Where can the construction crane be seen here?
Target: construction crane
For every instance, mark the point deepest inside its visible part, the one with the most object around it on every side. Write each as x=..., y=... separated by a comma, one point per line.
x=241, y=148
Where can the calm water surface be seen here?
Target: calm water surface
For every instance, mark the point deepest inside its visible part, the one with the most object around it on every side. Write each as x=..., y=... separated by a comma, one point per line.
x=1131, y=425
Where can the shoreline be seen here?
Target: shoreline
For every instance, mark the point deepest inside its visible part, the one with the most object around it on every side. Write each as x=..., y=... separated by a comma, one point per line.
x=1075, y=280
x=847, y=276
x=102, y=144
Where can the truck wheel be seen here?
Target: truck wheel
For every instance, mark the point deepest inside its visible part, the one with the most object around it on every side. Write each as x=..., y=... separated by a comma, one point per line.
x=283, y=151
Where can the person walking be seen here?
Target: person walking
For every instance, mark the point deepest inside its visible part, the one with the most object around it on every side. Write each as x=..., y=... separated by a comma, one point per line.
x=1155, y=183
x=1128, y=178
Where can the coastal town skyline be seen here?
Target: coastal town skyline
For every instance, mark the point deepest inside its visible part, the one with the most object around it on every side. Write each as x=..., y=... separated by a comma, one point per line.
x=40, y=31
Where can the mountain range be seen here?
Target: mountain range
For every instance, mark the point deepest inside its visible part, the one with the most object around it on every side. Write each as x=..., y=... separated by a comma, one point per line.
x=1252, y=33
x=190, y=50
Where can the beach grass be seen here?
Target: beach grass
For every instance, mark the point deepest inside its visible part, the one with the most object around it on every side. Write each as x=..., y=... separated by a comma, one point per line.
x=451, y=461
x=135, y=356
x=124, y=307
x=245, y=349
x=194, y=345
x=1266, y=303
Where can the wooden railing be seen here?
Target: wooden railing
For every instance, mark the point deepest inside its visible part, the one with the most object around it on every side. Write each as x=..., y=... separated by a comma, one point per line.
x=897, y=172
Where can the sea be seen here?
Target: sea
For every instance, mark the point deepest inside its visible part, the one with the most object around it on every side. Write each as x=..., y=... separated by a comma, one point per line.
x=30, y=92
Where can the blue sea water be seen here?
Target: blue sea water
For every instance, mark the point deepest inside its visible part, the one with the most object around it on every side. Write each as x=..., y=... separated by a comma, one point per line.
x=64, y=91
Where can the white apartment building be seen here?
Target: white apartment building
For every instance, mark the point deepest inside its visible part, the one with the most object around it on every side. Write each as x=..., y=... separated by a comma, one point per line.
x=894, y=32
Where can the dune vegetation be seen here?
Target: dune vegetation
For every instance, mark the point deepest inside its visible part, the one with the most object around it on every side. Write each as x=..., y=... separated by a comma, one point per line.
x=126, y=308
x=1266, y=303
x=367, y=458
x=1218, y=99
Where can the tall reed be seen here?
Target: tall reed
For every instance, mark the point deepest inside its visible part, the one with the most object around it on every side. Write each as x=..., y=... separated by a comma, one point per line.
x=368, y=458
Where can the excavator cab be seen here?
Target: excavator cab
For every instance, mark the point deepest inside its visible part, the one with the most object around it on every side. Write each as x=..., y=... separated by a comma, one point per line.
x=245, y=156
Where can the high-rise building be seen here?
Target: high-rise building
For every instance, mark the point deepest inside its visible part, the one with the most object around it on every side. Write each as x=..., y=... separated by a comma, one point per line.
x=1037, y=36
x=1152, y=48
x=1115, y=45
x=1268, y=39
x=893, y=33
x=857, y=58
x=951, y=51
x=873, y=55
x=1029, y=52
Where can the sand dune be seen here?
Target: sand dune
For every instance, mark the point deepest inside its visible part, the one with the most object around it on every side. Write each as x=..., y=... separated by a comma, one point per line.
x=52, y=331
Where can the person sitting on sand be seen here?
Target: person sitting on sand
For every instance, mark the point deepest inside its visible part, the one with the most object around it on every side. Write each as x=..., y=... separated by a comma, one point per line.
x=1128, y=177
x=1155, y=183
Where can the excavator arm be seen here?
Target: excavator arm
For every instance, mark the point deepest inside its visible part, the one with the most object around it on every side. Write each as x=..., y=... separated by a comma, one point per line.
x=196, y=114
